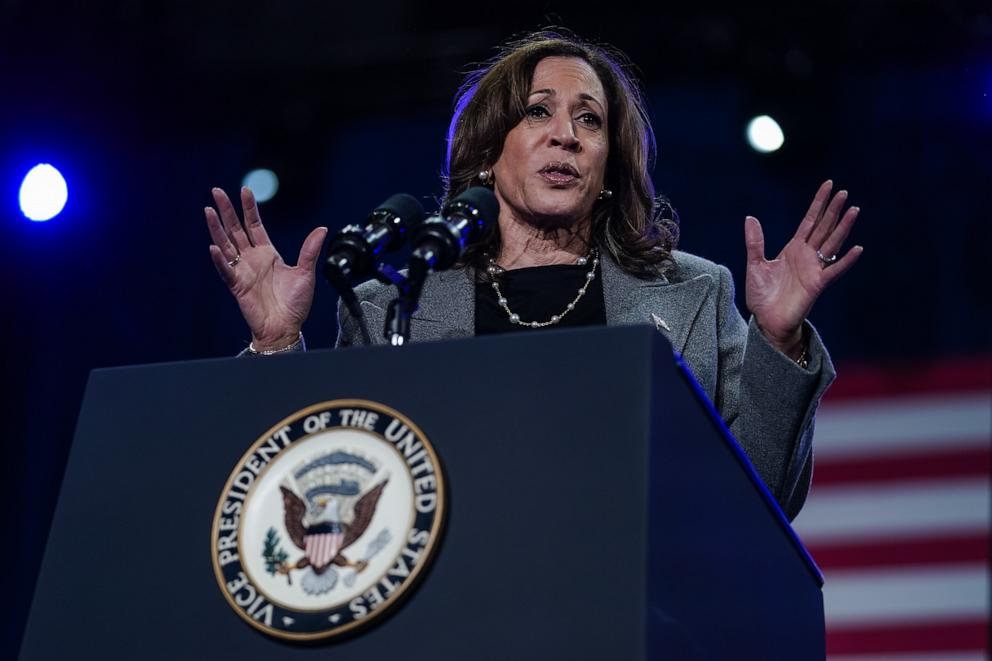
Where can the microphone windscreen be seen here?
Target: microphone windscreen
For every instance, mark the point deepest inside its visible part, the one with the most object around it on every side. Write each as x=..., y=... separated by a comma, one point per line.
x=406, y=207
x=480, y=198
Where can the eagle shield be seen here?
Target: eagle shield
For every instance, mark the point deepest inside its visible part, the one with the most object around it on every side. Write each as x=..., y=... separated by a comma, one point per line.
x=335, y=509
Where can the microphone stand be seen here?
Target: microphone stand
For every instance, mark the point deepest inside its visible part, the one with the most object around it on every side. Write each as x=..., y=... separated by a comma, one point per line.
x=401, y=309
x=397, y=329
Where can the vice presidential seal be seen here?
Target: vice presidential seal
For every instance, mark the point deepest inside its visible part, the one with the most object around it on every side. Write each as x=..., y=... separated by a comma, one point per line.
x=327, y=519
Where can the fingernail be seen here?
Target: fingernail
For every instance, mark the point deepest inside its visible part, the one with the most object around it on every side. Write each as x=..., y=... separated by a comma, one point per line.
x=856, y=209
x=843, y=192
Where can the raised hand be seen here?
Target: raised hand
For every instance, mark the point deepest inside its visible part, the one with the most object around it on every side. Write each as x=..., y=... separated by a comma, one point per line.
x=781, y=292
x=274, y=298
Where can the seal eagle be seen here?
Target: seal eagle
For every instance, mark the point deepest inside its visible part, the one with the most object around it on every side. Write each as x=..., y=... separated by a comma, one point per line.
x=324, y=531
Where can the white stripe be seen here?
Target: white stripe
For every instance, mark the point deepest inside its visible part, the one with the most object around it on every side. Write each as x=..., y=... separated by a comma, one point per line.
x=912, y=656
x=907, y=508
x=887, y=596
x=325, y=548
x=904, y=423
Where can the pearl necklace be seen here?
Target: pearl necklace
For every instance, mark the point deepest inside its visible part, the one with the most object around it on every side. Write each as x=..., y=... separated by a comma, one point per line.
x=495, y=270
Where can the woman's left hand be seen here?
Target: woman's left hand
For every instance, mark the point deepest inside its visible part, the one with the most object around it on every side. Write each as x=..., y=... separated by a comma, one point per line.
x=781, y=292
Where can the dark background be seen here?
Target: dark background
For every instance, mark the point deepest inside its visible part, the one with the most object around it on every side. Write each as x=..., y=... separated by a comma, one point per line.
x=144, y=107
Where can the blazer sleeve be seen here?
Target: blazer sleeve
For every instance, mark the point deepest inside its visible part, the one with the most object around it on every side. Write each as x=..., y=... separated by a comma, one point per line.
x=768, y=400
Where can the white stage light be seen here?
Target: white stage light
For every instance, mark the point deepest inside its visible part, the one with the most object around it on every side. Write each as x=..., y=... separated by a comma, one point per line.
x=43, y=193
x=764, y=134
x=263, y=183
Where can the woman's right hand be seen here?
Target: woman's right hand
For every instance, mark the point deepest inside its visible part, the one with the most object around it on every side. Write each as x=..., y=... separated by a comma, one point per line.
x=274, y=298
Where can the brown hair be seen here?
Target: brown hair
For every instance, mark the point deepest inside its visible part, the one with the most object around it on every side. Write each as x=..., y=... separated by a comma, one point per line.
x=637, y=227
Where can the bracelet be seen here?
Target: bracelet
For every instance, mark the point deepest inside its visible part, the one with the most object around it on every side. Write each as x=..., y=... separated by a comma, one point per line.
x=299, y=344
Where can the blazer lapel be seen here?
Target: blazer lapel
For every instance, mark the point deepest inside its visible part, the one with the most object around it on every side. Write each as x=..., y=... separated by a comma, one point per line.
x=447, y=306
x=446, y=309
x=669, y=307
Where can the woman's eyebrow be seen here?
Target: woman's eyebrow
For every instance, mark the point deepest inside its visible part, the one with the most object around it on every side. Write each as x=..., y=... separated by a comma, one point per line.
x=583, y=95
x=590, y=97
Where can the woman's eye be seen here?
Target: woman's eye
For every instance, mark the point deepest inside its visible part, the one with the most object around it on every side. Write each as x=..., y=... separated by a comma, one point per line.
x=538, y=111
x=591, y=119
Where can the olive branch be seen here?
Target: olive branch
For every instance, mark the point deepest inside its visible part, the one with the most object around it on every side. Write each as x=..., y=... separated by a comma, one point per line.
x=275, y=556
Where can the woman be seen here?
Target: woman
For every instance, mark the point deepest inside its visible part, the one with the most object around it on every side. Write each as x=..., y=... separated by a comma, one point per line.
x=557, y=129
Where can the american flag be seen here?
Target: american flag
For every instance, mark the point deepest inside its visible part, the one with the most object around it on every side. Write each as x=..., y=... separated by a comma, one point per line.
x=899, y=514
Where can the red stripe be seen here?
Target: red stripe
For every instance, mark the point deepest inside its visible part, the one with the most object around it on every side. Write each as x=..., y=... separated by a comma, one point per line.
x=945, y=549
x=967, y=636
x=907, y=378
x=925, y=464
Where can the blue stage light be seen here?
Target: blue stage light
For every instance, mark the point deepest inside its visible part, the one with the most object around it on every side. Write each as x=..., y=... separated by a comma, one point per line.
x=43, y=193
x=263, y=183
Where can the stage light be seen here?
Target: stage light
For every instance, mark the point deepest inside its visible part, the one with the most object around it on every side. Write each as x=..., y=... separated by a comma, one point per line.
x=764, y=134
x=263, y=183
x=43, y=193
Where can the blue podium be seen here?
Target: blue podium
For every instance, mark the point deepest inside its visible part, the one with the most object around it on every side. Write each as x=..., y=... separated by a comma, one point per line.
x=597, y=508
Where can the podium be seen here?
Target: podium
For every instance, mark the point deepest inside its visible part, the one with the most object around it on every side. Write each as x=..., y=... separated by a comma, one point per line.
x=597, y=508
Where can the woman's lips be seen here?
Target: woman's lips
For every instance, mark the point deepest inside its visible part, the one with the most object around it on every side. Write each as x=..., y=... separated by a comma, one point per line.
x=558, y=178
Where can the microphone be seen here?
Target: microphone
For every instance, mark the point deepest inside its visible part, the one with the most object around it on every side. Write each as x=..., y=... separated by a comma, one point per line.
x=354, y=249
x=437, y=245
x=441, y=239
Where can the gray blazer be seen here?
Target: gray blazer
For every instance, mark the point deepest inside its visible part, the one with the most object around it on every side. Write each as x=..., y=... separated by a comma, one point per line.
x=767, y=400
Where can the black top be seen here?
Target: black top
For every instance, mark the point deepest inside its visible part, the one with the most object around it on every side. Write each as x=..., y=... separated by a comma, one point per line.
x=536, y=294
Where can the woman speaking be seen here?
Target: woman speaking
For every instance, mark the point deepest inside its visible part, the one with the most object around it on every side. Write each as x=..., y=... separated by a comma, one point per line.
x=557, y=128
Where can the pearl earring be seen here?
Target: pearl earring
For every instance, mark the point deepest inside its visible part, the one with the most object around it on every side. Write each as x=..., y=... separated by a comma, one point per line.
x=486, y=177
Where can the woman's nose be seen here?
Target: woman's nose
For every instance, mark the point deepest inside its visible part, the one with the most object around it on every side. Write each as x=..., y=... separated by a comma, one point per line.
x=563, y=135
